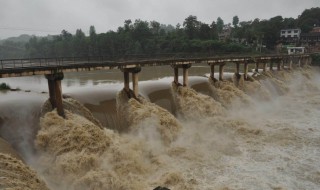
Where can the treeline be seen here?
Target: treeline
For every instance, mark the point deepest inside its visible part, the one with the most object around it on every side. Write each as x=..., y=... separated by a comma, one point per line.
x=143, y=37
x=138, y=37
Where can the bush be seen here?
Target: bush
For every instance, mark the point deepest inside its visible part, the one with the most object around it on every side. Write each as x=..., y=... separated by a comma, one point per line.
x=4, y=86
x=315, y=59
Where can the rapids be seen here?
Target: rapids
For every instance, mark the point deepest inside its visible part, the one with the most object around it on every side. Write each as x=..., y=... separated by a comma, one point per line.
x=260, y=133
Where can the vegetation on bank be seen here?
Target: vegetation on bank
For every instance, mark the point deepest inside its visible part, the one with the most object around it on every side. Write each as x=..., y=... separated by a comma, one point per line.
x=316, y=59
x=143, y=37
x=4, y=86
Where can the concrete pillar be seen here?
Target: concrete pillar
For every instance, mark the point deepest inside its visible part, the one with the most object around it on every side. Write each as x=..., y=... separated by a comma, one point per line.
x=126, y=72
x=264, y=66
x=221, y=68
x=135, y=81
x=185, y=76
x=212, y=72
x=126, y=81
x=279, y=65
x=245, y=69
x=185, y=68
x=176, y=75
x=256, y=69
x=271, y=65
x=55, y=92
x=52, y=93
x=304, y=61
x=238, y=69
x=282, y=63
x=290, y=64
x=309, y=60
x=59, y=103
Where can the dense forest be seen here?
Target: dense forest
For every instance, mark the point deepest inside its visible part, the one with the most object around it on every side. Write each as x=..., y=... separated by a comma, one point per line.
x=152, y=38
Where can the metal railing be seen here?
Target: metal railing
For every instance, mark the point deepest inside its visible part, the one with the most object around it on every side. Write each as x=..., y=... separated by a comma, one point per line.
x=15, y=64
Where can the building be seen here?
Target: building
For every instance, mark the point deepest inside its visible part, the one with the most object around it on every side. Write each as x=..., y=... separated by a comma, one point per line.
x=315, y=29
x=296, y=50
x=290, y=33
x=226, y=33
x=311, y=40
x=290, y=36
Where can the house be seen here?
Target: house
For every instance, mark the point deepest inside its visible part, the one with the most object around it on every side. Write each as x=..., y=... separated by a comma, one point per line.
x=315, y=29
x=290, y=36
x=290, y=33
x=311, y=40
x=296, y=50
x=225, y=34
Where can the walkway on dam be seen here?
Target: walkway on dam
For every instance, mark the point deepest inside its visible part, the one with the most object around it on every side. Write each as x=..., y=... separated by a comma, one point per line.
x=54, y=68
x=39, y=66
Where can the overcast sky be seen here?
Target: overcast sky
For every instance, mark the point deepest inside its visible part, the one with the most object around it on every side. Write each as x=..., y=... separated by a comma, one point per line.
x=42, y=17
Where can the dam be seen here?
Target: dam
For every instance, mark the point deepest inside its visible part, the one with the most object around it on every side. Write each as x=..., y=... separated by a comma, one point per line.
x=246, y=125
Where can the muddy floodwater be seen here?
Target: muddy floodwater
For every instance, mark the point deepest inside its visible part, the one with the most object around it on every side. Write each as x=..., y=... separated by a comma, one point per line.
x=262, y=133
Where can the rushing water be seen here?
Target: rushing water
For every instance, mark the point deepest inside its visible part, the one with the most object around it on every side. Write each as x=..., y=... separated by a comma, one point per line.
x=233, y=134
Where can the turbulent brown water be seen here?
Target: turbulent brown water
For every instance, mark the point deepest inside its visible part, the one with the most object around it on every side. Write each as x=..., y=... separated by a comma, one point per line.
x=260, y=133
x=14, y=173
x=139, y=114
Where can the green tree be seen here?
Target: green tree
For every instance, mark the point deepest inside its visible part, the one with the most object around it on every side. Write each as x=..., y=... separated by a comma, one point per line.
x=220, y=24
x=214, y=30
x=93, y=50
x=80, y=44
x=308, y=19
x=235, y=21
x=155, y=27
x=191, y=25
x=127, y=25
x=204, y=32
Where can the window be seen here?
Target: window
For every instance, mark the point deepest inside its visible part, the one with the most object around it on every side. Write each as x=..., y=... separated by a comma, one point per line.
x=295, y=36
x=296, y=31
x=283, y=32
x=289, y=31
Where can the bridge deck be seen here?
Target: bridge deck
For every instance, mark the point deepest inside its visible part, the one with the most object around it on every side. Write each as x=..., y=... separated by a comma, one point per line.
x=39, y=66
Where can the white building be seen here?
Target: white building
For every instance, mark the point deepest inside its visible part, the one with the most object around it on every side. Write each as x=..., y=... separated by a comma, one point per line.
x=290, y=33
x=296, y=50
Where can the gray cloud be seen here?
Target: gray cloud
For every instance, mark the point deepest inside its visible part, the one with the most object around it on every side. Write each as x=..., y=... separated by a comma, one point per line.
x=44, y=17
